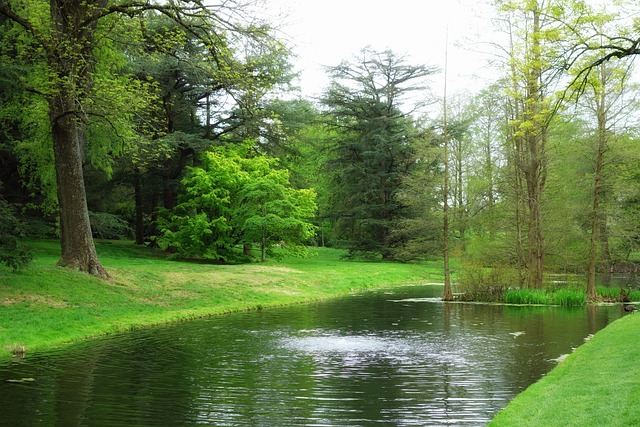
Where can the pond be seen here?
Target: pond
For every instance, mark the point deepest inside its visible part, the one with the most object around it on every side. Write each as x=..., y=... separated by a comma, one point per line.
x=395, y=357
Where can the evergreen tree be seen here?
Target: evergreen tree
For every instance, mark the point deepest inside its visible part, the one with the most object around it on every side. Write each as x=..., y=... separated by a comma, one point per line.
x=373, y=152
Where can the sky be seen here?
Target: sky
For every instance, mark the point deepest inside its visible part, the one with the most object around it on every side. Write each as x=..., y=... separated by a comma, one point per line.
x=326, y=32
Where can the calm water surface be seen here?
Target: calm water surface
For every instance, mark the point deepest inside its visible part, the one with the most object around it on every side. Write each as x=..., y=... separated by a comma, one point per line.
x=387, y=358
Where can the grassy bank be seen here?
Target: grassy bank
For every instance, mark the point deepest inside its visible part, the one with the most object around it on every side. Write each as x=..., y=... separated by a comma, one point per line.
x=597, y=385
x=46, y=306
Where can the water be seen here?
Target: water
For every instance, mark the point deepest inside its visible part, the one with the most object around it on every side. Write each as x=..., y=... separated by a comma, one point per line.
x=389, y=358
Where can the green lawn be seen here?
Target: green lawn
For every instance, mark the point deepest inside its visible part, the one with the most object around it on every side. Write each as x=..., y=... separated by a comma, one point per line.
x=45, y=306
x=597, y=385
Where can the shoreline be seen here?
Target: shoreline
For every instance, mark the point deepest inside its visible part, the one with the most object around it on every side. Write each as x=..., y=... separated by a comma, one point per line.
x=597, y=384
x=45, y=308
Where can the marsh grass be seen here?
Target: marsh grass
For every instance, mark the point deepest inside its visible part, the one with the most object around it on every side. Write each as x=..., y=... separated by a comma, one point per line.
x=614, y=294
x=527, y=296
x=568, y=297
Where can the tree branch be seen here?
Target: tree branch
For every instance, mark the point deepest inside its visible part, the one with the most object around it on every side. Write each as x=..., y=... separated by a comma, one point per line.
x=6, y=10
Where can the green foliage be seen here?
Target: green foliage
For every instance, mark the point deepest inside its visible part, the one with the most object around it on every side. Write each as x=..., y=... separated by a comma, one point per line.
x=12, y=253
x=233, y=199
x=373, y=152
x=109, y=226
x=39, y=228
x=270, y=211
x=479, y=283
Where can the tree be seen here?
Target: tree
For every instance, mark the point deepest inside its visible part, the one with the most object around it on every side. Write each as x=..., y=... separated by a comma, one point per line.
x=270, y=211
x=373, y=152
x=234, y=199
x=535, y=30
x=67, y=39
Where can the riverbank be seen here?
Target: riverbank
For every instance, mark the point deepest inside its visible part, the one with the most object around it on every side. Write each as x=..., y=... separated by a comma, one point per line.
x=45, y=306
x=597, y=385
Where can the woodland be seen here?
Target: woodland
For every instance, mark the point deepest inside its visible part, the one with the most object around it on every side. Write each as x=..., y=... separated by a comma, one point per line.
x=178, y=124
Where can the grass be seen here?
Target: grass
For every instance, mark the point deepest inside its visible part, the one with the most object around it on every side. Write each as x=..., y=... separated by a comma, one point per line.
x=527, y=296
x=566, y=297
x=45, y=306
x=597, y=385
x=613, y=294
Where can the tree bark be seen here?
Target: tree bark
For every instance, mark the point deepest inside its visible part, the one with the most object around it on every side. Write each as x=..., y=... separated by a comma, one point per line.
x=78, y=248
x=71, y=59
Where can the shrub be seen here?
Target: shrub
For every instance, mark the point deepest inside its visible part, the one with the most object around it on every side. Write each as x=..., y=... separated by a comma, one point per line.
x=39, y=228
x=109, y=226
x=479, y=283
x=12, y=252
x=236, y=200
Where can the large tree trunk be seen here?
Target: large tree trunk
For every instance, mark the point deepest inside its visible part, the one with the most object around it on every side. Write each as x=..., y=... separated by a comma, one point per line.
x=71, y=59
x=78, y=249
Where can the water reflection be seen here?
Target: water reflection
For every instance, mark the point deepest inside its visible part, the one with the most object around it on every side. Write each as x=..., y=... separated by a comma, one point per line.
x=401, y=359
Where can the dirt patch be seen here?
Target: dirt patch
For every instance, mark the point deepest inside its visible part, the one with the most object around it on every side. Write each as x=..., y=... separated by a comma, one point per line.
x=34, y=299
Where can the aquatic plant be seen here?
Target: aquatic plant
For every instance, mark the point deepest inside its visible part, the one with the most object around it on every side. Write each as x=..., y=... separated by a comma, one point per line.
x=527, y=296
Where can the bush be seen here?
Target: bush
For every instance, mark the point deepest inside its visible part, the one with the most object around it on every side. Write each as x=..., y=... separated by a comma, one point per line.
x=12, y=252
x=109, y=226
x=479, y=283
x=39, y=228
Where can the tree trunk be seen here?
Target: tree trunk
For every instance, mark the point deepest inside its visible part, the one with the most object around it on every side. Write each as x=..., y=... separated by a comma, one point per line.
x=447, y=293
x=137, y=186
x=78, y=249
x=246, y=249
x=535, y=136
x=517, y=160
x=168, y=192
x=71, y=58
x=596, y=214
x=604, y=240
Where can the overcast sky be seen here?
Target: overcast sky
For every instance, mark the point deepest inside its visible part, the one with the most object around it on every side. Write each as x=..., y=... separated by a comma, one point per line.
x=323, y=33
